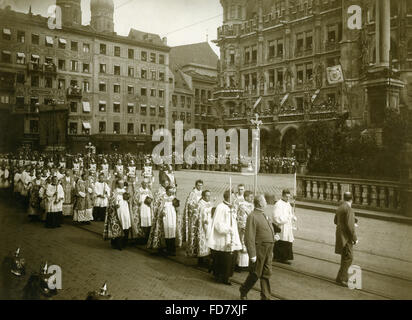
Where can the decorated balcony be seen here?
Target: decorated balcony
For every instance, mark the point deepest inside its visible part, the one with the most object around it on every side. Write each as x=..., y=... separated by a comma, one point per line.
x=228, y=93
x=50, y=68
x=34, y=66
x=74, y=92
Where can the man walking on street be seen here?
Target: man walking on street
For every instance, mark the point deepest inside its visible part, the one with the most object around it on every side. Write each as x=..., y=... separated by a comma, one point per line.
x=345, y=237
x=259, y=240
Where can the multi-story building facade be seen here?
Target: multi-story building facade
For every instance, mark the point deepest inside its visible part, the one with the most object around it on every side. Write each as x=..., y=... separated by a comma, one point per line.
x=280, y=50
x=195, y=70
x=97, y=86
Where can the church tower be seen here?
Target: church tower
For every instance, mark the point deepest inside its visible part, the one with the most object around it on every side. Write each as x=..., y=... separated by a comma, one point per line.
x=102, y=15
x=71, y=12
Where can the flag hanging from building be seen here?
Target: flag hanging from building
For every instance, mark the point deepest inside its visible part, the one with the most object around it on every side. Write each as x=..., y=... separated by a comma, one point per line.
x=284, y=99
x=257, y=103
x=315, y=95
x=334, y=74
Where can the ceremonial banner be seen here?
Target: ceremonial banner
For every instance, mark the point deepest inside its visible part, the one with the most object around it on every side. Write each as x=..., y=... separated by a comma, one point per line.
x=334, y=74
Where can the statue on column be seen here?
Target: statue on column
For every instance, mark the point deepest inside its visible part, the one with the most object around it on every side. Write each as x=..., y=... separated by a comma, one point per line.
x=364, y=49
x=318, y=75
x=288, y=78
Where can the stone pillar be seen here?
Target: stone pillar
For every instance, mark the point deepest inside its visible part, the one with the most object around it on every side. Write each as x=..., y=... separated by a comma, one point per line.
x=357, y=198
x=335, y=192
x=308, y=190
x=315, y=190
x=364, y=195
x=321, y=190
x=328, y=191
x=383, y=32
x=406, y=180
x=382, y=197
x=374, y=196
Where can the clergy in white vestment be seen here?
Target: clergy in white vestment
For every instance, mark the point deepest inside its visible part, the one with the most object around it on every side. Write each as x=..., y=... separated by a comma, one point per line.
x=26, y=180
x=101, y=198
x=284, y=217
x=204, y=222
x=54, y=203
x=142, y=217
x=224, y=240
x=17, y=184
x=123, y=212
x=168, y=214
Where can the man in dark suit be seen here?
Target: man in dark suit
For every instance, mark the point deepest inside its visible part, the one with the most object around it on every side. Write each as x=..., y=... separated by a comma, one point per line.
x=259, y=241
x=345, y=237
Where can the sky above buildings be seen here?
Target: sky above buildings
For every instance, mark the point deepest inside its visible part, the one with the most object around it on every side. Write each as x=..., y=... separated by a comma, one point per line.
x=181, y=21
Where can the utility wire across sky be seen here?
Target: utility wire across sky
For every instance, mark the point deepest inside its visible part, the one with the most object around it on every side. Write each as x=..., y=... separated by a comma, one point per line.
x=180, y=29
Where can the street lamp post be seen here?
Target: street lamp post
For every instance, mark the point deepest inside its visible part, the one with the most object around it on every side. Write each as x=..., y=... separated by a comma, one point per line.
x=256, y=122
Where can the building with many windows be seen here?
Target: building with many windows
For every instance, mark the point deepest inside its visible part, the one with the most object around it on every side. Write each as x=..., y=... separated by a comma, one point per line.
x=66, y=87
x=289, y=51
x=195, y=69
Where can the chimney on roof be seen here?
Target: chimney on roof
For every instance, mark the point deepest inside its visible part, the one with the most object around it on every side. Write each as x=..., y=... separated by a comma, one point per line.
x=164, y=40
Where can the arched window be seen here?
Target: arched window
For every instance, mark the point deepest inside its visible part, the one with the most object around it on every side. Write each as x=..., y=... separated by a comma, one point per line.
x=410, y=49
x=394, y=8
x=394, y=50
x=409, y=7
x=372, y=14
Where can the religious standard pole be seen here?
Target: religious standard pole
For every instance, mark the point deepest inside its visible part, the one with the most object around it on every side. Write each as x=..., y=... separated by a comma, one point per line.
x=257, y=123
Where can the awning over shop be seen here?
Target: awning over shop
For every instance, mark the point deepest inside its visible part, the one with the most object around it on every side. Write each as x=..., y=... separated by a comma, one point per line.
x=21, y=54
x=130, y=104
x=86, y=106
x=49, y=40
x=7, y=31
x=86, y=125
x=62, y=41
x=6, y=52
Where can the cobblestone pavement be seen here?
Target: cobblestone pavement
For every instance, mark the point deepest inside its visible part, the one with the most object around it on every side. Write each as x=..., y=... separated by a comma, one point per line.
x=87, y=261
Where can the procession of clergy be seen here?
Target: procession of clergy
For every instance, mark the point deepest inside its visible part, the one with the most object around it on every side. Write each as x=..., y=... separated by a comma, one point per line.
x=134, y=213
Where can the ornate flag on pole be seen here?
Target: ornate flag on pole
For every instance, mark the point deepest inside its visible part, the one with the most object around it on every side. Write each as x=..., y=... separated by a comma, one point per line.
x=257, y=102
x=315, y=95
x=284, y=99
x=334, y=74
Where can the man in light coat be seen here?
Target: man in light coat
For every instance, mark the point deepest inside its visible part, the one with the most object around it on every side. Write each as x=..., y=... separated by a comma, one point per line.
x=345, y=237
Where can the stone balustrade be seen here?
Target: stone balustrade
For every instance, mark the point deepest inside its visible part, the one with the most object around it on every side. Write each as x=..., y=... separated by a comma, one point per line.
x=377, y=195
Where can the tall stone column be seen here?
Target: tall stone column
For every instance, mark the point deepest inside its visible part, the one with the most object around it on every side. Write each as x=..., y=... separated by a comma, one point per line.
x=383, y=32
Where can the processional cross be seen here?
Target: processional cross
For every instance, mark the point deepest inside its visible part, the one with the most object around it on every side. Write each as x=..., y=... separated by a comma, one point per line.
x=257, y=123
